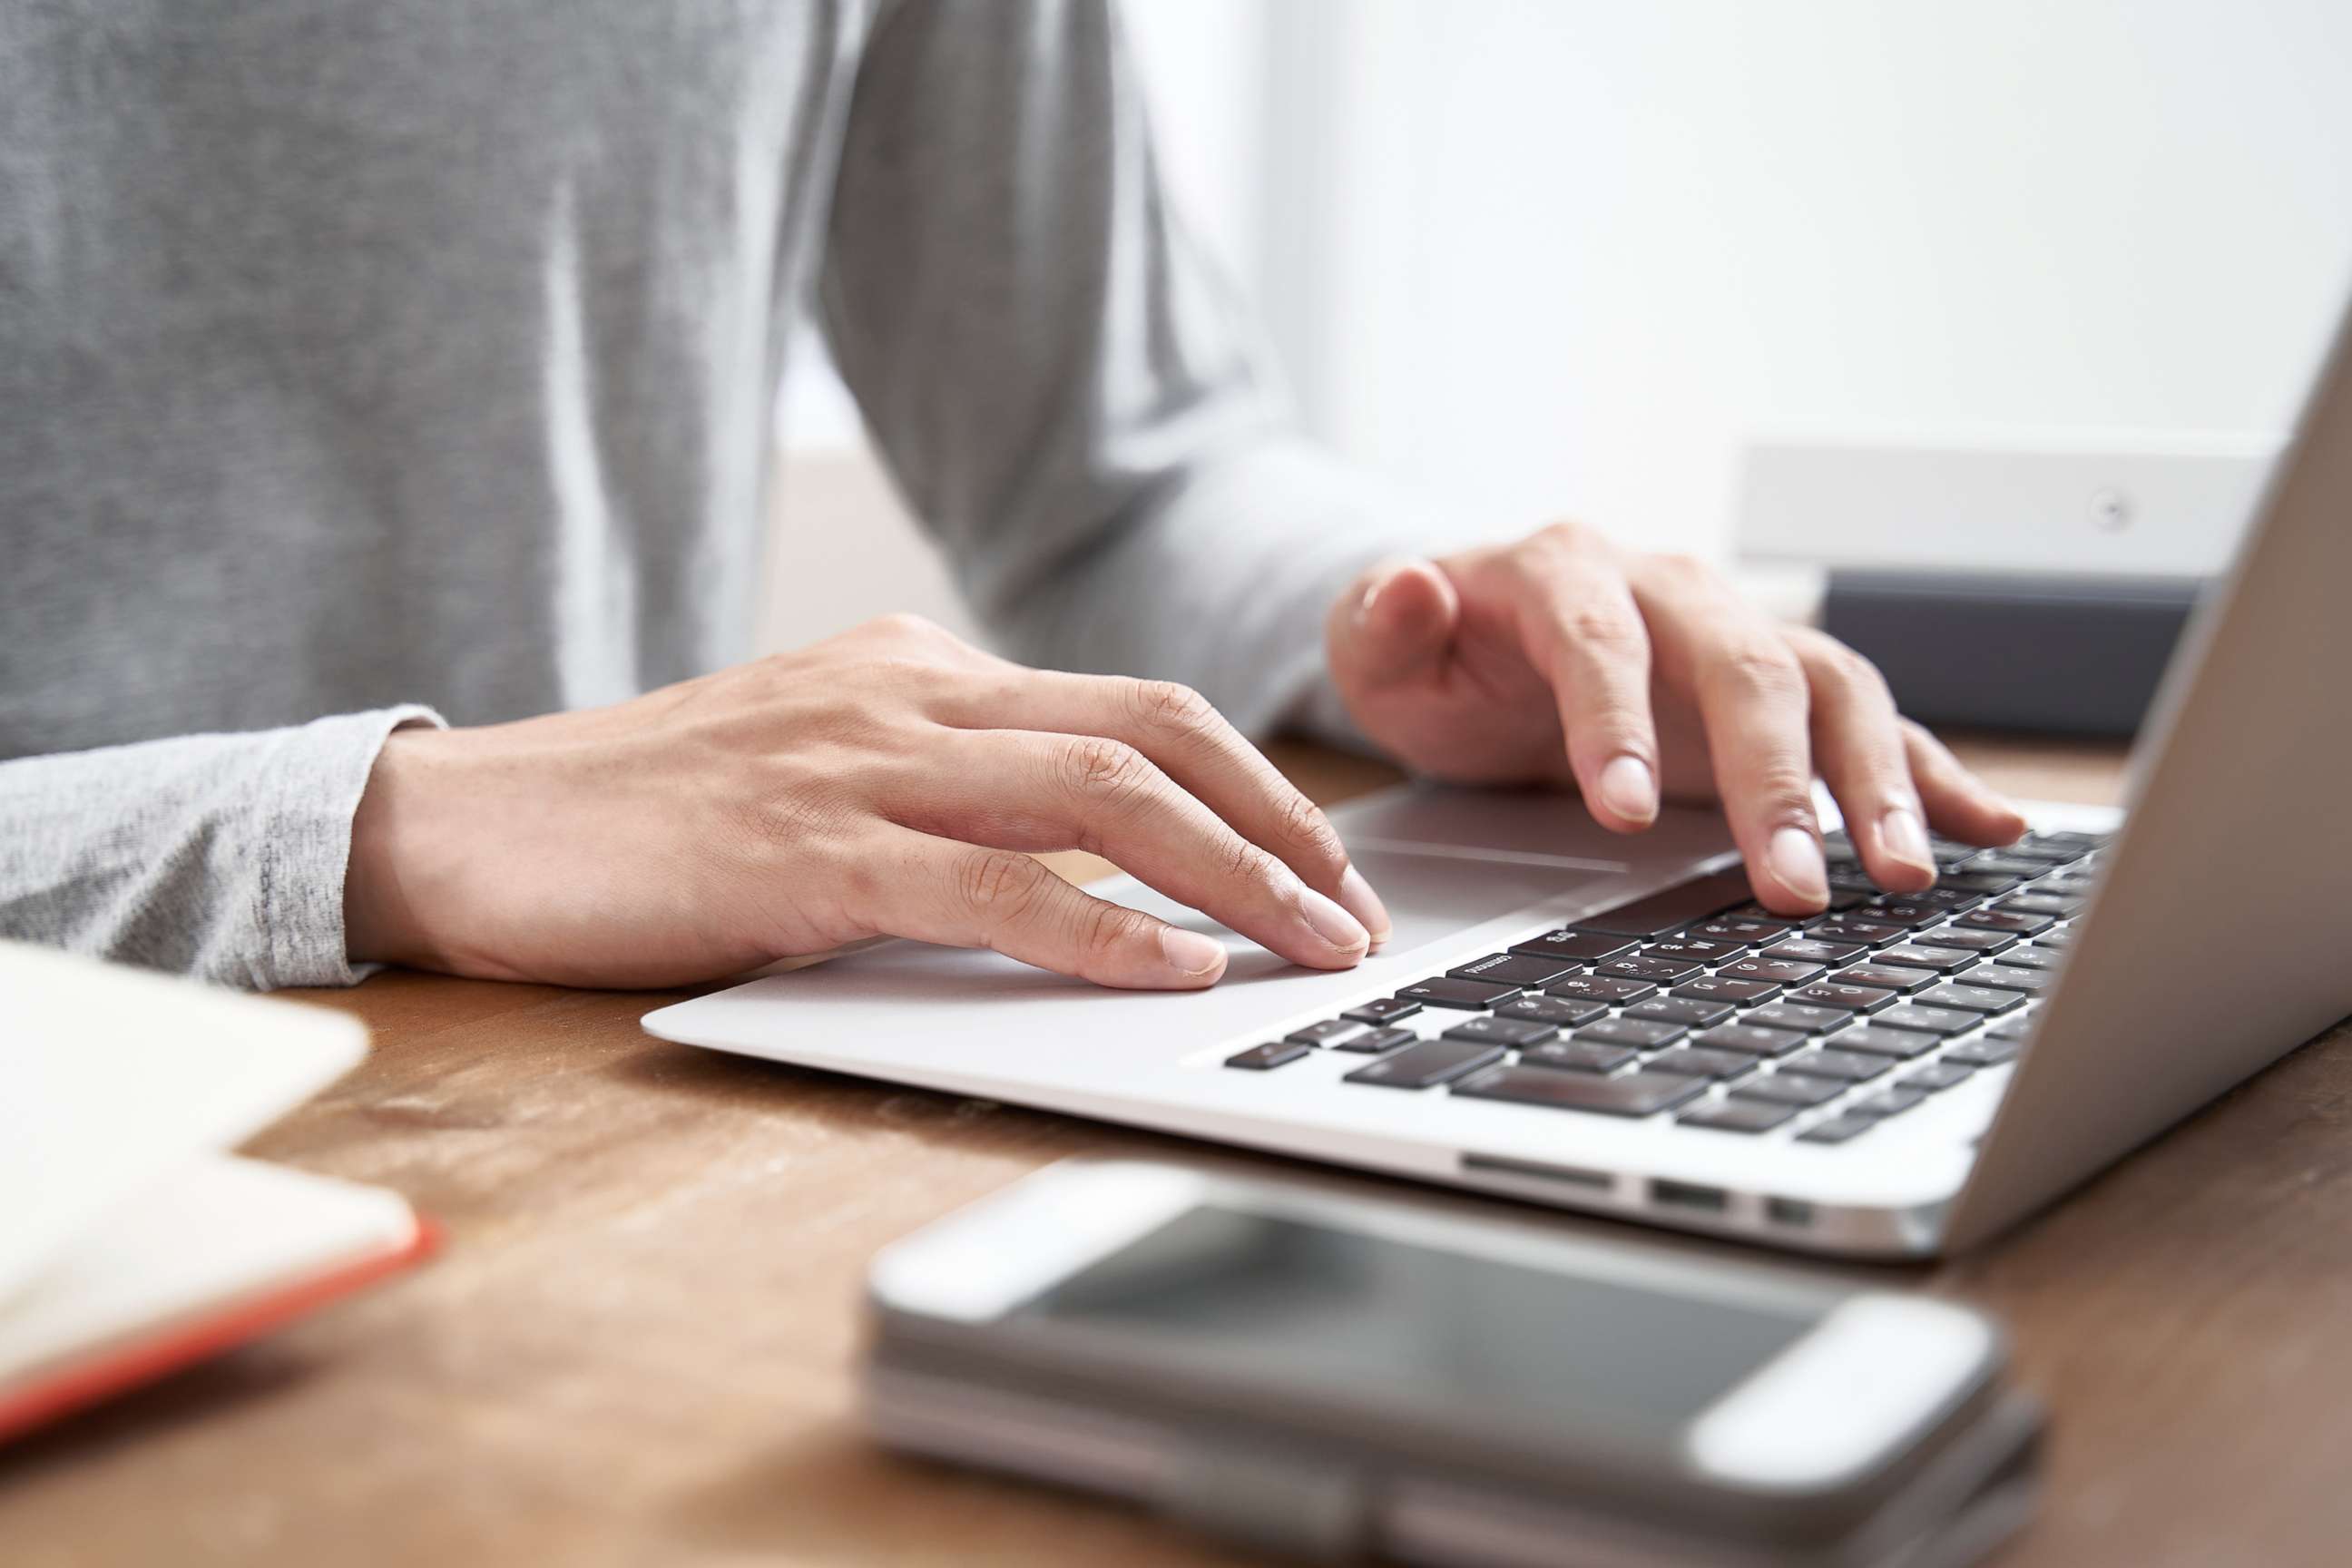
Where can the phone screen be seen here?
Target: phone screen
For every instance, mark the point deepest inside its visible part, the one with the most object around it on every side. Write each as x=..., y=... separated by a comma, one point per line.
x=1287, y=1303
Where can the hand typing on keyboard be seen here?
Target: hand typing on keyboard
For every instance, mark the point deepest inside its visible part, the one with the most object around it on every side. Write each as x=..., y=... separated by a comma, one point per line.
x=886, y=781
x=1562, y=659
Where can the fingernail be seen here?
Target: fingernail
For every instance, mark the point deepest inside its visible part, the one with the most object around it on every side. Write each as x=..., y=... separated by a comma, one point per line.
x=1191, y=953
x=1372, y=592
x=1905, y=838
x=1628, y=789
x=1356, y=896
x=1332, y=923
x=1796, y=860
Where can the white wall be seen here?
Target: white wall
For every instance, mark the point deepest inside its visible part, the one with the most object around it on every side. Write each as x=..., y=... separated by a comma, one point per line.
x=1541, y=257
x=1576, y=251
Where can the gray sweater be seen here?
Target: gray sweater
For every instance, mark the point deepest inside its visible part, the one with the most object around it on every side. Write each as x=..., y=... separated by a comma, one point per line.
x=363, y=362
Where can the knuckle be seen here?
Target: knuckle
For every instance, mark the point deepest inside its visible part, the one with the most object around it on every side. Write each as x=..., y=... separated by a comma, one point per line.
x=1105, y=770
x=907, y=625
x=1170, y=705
x=997, y=887
x=1606, y=629
x=1760, y=668
x=1683, y=569
x=1567, y=535
x=1310, y=833
x=1103, y=930
x=1242, y=862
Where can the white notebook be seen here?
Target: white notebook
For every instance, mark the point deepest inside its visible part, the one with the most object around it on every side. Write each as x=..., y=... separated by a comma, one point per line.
x=131, y=1243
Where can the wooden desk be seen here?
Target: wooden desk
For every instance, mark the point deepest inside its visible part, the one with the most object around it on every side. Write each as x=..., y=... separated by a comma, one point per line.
x=637, y=1348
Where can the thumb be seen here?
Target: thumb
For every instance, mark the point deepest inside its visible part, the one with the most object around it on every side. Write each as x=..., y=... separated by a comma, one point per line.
x=1395, y=623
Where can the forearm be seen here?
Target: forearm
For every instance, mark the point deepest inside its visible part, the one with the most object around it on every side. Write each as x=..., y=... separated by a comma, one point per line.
x=218, y=856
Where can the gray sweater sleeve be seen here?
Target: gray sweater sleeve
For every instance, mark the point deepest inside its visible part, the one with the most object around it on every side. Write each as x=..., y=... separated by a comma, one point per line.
x=216, y=855
x=1070, y=397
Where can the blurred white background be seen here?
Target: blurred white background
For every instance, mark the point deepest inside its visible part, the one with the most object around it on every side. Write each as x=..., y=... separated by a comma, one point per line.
x=1549, y=257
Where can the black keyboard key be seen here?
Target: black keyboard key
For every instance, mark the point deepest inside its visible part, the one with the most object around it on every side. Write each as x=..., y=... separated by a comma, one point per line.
x=1892, y=1100
x=1328, y=1032
x=1895, y=912
x=1965, y=939
x=1796, y=1015
x=1981, y=883
x=2006, y=977
x=1577, y=1055
x=1513, y=969
x=1937, y=1076
x=2036, y=955
x=1914, y=955
x=2066, y=838
x=1885, y=1042
x=1562, y=1012
x=1888, y=977
x=1631, y=1094
x=1690, y=950
x=1837, y=1129
x=1813, y=950
x=1859, y=932
x=1838, y=993
x=1930, y=1020
x=1642, y=1034
x=2057, y=940
x=1749, y=1039
x=1572, y=947
x=1848, y=1067
x=1264, y=1057
x=1387, y=1010
x=1736, y=1116
x=1657, y=970
x=1683, y=1010
x=2066, y=886
x=1599, y=988
x=1983, y=1053
x=1430, y=1062
x=1772, y=972
x=1716, y=988
x=1739, y=932
x=1789, y=1088
x=2015, y=1028
x=1973, y=999
x=1372, y=1044
x=1492, y=1031
x=2040, y=903
x=2017, y=923
x=1672, y=908
x=1471, y=995
x=2022, y=864
x=1695, y=1061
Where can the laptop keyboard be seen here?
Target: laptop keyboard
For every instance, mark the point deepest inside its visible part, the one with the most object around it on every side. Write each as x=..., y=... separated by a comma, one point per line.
x=1696, y=1003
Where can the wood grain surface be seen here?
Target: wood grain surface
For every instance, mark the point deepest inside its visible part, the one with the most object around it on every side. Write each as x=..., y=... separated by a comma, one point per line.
x=639, y=1344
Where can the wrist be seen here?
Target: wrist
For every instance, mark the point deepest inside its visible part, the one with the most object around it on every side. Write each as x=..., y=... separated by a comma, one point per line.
x=384, y=886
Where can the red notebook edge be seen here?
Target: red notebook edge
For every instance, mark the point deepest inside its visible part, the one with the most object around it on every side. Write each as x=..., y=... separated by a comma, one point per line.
x=82, y=1384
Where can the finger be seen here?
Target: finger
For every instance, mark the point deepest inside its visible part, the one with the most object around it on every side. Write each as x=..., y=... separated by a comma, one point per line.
x=1580, y=625
x=1858, y=746
x=1022, y=790
x=1959, y=804
x=961, y=895
x=1396, y=624
x=1753, y=700
x=1184, y=735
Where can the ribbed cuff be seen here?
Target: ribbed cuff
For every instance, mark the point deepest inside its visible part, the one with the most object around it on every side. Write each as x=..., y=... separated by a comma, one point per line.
x=305, y=848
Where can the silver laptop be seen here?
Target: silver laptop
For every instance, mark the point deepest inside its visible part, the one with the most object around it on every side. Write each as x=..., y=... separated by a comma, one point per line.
x=1609, y=1025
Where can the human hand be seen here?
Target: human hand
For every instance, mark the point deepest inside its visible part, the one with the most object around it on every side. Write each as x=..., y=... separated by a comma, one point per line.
x=887, y=780
x=1563, y=658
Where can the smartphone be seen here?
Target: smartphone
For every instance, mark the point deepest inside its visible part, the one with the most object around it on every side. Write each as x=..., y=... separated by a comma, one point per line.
x=1325, y=1372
